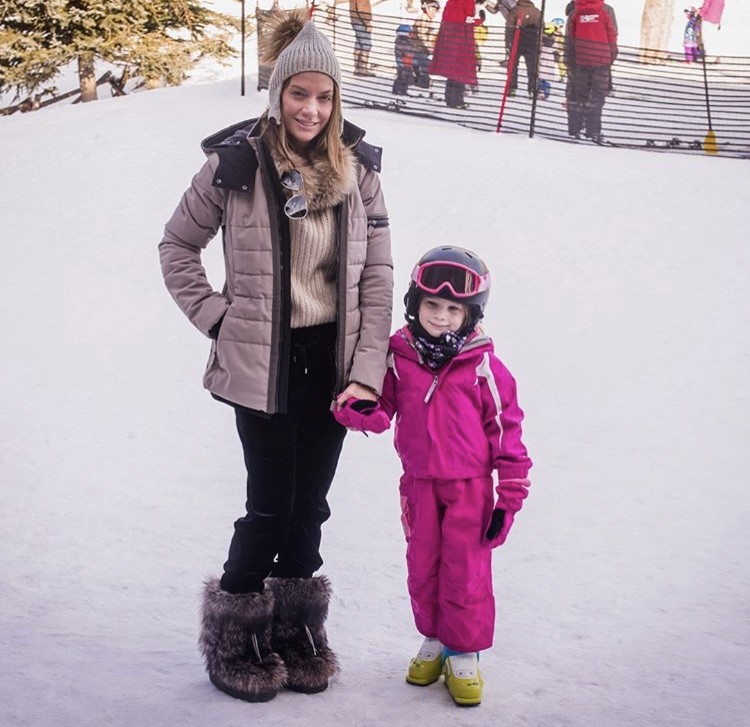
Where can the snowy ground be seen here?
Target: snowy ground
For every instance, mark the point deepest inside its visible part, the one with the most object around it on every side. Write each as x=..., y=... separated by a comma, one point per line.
x=620, y=303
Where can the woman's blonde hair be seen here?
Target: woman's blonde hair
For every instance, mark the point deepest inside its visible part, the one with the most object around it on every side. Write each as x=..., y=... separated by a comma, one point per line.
x=328, y=143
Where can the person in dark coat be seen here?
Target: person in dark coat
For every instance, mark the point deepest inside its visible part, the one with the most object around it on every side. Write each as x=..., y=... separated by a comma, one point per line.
x=424, y=35
x=525, y=19
x=455, y=51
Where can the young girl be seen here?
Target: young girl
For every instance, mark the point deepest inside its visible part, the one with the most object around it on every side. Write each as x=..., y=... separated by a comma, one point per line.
x=304, y=315
x=693, y=36
x=457, y=420
x=548, y=57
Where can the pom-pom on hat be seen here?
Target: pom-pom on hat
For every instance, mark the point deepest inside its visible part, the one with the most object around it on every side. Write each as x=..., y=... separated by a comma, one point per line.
x=296, y=46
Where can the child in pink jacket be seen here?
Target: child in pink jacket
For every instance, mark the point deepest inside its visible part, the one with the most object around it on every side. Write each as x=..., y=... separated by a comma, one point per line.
x=457, y=420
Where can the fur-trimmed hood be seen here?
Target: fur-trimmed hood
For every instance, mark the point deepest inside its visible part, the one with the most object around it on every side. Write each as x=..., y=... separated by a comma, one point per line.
x=324, y=187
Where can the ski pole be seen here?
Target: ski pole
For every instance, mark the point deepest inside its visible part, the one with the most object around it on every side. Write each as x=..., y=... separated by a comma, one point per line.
x=532, y=120
x=509, y=72
x=709, y=143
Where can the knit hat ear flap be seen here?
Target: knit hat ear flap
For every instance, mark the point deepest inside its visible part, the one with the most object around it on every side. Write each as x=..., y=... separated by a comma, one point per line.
x=296, y=46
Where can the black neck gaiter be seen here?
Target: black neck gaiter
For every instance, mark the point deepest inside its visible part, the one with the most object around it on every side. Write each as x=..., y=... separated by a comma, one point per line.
x=437, y=351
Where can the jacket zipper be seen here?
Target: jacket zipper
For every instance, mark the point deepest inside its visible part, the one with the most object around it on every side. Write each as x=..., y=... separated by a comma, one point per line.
x=431, y=390
x=278, y=391
x=342, y=262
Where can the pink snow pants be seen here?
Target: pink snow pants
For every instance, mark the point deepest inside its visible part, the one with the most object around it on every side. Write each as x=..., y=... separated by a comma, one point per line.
x=448, y=561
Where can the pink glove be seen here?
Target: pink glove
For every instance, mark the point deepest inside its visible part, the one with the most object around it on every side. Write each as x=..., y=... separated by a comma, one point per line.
x=362, y=415
x=510, y=497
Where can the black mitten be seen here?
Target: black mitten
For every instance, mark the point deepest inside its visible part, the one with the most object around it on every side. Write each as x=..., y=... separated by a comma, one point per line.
x=496, y=523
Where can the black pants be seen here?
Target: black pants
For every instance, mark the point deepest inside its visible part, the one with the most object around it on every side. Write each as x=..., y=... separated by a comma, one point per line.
x=454, y=93
x=291, y=460
x=586, y=96
x=527, y=51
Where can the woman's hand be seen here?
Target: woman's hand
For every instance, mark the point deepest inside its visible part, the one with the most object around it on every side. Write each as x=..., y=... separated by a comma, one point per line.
x=357, y=391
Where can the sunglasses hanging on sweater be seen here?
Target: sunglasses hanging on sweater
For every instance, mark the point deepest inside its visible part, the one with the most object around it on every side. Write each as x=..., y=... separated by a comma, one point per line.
x=296, y=206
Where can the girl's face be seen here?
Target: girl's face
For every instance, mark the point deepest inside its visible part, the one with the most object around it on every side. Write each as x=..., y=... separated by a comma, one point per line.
x=438, y=315
x=306, y=105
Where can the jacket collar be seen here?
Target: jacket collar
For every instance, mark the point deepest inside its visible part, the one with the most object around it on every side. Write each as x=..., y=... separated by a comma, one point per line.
x=401, y=343
x=238, y=162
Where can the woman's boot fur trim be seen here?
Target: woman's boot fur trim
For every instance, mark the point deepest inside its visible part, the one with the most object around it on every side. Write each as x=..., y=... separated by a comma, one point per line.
x=299, y=636
x=236, y=643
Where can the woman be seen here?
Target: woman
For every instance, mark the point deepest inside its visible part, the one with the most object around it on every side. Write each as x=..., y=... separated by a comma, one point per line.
x=304, y=318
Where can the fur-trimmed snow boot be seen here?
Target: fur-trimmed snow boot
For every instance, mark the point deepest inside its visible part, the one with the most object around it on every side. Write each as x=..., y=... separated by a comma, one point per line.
x=299, y=636
x=236, y=643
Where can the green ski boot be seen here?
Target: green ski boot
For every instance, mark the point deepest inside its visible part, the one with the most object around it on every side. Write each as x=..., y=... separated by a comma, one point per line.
x=426, y=667
x=463, y=679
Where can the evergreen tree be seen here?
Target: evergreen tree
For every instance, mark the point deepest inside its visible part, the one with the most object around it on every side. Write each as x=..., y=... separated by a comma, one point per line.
x=159, y=40
x=174, y=36
x=29, y=53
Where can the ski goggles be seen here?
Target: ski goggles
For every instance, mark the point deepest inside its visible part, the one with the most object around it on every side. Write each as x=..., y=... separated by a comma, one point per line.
x=461, y=281
x=296, y=206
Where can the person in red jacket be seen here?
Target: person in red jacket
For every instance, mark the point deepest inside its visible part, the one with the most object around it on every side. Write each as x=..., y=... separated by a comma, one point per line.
x=455, y=54
x=590, y=50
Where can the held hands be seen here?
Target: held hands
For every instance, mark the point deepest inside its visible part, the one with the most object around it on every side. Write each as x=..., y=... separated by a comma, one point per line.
x=510, y=497
x=356, y=391
x=362, y=415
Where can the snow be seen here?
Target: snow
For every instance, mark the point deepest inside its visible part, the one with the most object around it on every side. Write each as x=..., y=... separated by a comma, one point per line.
x=620, y=304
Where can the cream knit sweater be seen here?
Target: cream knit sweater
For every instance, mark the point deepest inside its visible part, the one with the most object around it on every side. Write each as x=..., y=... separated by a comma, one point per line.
x=314, y=268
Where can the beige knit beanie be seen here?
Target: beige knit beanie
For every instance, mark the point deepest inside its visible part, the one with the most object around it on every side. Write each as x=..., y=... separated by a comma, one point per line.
x=296, y=46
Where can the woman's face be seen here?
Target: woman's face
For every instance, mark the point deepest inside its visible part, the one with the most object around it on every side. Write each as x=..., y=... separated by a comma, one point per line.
x=438, y=315
x=307, y=105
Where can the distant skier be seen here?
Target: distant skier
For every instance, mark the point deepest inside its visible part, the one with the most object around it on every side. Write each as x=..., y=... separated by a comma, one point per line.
x=548, y=61
x=526, y=20
x=693, y=37
x=455, y=53
x=590, y=50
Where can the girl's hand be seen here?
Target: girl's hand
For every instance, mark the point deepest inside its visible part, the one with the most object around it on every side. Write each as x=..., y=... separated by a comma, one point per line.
x=357, y=391
x=362, y=415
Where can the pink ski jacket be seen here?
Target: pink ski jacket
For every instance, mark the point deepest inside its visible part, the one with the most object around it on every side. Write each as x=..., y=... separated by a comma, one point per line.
x=460, y=422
